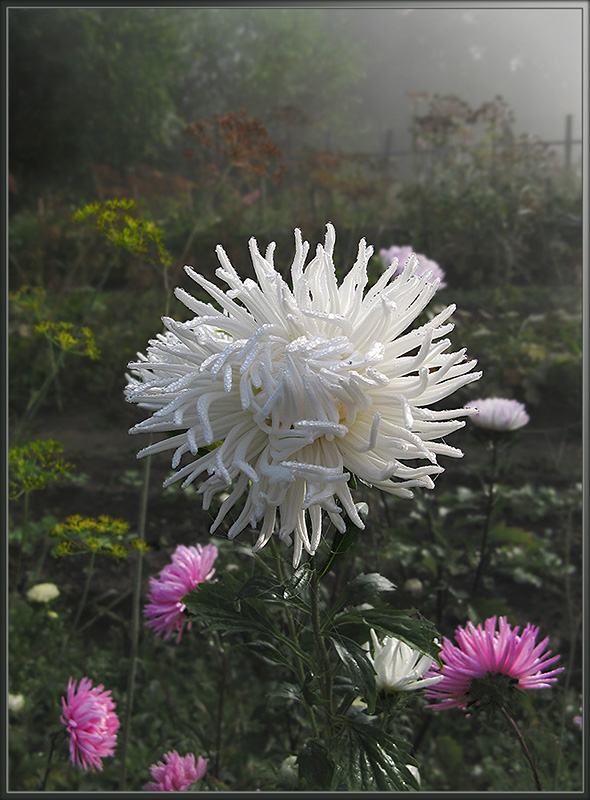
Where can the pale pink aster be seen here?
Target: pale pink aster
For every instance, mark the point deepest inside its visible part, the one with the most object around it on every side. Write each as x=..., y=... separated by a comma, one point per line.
x=423, y=266
x=484, y=651
x=498, y=414
x=190, y=566
x=176, y=773
x=92, y=723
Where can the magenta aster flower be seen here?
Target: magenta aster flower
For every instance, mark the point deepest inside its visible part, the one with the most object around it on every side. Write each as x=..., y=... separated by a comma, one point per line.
x=92, y=723
x=498, y=414
x=176, y=773
x=190, y=566
x=424, y=264
x=487, y=652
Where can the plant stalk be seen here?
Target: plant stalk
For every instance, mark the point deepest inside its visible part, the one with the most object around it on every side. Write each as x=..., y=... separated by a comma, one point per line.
x=134, y=634
x=486, y=527
x=84, y=593
x=321, y=651
x=525, y=749
x=295, y=638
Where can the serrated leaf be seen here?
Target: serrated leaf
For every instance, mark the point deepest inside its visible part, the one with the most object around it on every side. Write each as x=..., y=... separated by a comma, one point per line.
x=315, y=768
x=362, y=588
x=368, y=759
x=417, y=633
x=214, y=603
x=359, y=669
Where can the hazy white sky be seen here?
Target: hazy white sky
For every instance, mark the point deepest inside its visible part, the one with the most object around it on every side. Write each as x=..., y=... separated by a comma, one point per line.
x=532, y=57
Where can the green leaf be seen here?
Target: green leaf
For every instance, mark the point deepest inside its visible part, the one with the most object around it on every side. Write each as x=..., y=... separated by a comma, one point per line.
x=417, y=633
x=216, y=604
x=514, y=535
x=368, y=759
x=286, y=691
x=359, y=669
x=362, y=588
x=315, y=768
x=298, y=582
x=344, y=542
x=262, y=586
x=267, y=652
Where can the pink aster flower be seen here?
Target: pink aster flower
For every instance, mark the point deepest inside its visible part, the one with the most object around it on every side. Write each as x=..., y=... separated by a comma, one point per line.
x=579, y=720
x=190, y=566
x=498, y=414
x=424, y=264
x=485, y=652
x=176, y=773
x=92, y=723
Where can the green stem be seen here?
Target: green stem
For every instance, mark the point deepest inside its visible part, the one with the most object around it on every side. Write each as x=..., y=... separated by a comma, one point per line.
x=134, y=624
x=486, y=527
x=54, y=739
x=524, y=747
x=39, y=396
x=220, y=700
x=295, y=639
x=23, y=538
x=321, y=651
x=84, y=594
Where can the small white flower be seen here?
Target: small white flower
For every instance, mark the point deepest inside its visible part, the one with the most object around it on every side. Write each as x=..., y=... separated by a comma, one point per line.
x=498, y=414
x=283, y=392
x=399, y=668
x=43, y=593
x=16, y=702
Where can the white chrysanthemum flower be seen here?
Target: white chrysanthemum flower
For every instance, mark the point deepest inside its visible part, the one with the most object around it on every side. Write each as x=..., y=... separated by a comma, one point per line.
x=398, y=667
x=43, y=593
x=293, y=390
x=498, y=414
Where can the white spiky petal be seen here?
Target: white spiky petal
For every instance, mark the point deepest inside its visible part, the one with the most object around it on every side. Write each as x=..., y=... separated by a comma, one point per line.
x=300, y=389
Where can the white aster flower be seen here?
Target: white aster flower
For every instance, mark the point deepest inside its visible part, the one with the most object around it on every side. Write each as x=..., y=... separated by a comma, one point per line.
x=398, y=667
x=285, y=392
x=498, y=414
x=43, y=593
x=16, y=702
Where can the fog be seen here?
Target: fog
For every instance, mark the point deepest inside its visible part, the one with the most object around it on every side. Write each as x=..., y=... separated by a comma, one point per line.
x=531, y=57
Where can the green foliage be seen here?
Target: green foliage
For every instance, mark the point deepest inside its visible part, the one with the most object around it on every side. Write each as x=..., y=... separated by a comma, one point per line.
x=79, y=535
x=34, y=466
x=116, y=67
x=124, y=231
x=368, y=759
x=63, y=336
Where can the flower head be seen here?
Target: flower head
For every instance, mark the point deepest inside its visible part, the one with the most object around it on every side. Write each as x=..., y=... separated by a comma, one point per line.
x=43, y=593
x=89, y=716
x=285, y=392
x=423, y=265
x=16, y=702
x=190, y=566
x=485, y=652
x=176, y=773
x=498, y=414
x=399, y=667
x=579, y=719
